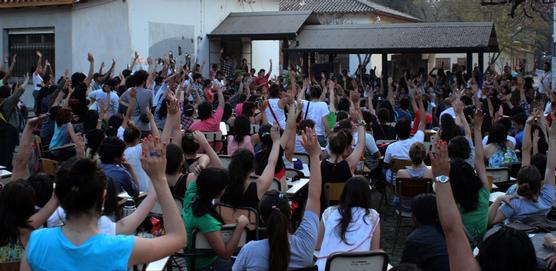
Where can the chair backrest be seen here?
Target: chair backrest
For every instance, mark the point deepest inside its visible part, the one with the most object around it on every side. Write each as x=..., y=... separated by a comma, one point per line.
x=499, y=175
x=398, y=164
x=49, y=166
x=201, y=243
x=385, y=141
x=254, y=128
x=214, y=136
x=226, y=160
x=333, y=191
x=303, y=157
x=411, y=187
x=293, y=173
x=357, y=261
x=229, y=214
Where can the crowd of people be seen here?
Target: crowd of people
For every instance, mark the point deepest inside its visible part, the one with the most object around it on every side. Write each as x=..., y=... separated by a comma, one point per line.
x=151, y=130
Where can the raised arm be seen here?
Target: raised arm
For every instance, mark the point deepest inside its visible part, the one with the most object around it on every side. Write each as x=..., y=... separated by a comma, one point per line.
x=39, y=61
x=479, y=152
x=152, y=123
x=91, y=60
x=287, y=141
x=200, y=139
x=312, y=147
x=172, y=124
x=128, y=225
x=460, y=117
x=153, y=161
x=10, y=69
x=25, y=148
x=265, y=180
x=270, y=68
x=130, y=107
x=355, y=156
x=526, y=145
x=220, y=97
x=459, y=251
x=551, y=155
x=422, y=113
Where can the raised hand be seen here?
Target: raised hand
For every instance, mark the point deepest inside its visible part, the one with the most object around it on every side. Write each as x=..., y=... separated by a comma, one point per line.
x=173, y=106
x=478, y=118
x=34, y=122
x=200, y=138
x=242, y=221
x=38, y=53
x=14, y=57
x=440, y=160
x=79, y=146
x=275, y=133
x=153, y=159
x=90, y=58
x=310, y=143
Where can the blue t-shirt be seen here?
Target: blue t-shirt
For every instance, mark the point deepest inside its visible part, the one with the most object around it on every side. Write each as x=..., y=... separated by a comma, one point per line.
x=60, y=137
x=49, y=249
x=522, y=208
x=120, y=178
x=254, y=255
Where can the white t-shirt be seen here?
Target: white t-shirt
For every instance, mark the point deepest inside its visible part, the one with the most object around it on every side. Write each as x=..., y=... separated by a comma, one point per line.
x=370, y=143
x=133, y=157
x=120, y=133
x=279, y=112
x=100, y=97
x=400, y=149
x=315, y=112
x=37, y=81
x=509, y=138
x=58, y=218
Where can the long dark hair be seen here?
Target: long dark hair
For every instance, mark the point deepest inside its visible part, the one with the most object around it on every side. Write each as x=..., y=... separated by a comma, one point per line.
x=498, y=135
x=210, y=184
x=275, y=212
x=449, y=128
x=242, y=128
x=356, y=193
x=17, y=204
x=465, y=184
x=339, y=141
x=239, y=169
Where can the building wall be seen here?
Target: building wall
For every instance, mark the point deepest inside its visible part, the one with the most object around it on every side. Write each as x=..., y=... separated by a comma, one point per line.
x=196, y=17
x=100, y=28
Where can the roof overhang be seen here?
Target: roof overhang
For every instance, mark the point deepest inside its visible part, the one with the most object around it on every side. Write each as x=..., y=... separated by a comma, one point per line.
x=271, y=25
x=5, y=4
x=460, y=37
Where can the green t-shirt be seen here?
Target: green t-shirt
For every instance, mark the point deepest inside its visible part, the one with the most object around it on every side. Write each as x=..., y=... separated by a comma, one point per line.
x=476, y=222
x=331, y=119
x=204, y=224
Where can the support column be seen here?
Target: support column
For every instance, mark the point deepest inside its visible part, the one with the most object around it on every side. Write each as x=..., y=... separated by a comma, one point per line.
x=385, y=74
x=481, y=62
x=285, y=55
x=469, y=64
x=305, y=67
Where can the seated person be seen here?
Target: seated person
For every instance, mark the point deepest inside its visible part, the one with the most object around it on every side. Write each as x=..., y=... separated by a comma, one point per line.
x=417, y=169
x=242, y=191
x=381, y=130
x=499, y=151
x=352, y=225
x=242, y=136
x=113, y=164
x=400, y=149
x=426, y=245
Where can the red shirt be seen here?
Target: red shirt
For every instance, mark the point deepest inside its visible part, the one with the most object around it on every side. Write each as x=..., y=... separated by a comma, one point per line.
x=211, y=124
x=209, y=95
x=428, y=120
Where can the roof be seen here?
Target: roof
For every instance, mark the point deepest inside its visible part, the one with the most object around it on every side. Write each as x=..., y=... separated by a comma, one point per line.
x=461, y=37
x=33, y=3
x=344, y=7
x=262, y=25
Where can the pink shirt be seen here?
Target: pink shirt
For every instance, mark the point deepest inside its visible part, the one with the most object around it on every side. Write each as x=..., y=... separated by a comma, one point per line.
x=211, y=124
x=246, y=144
x=239, y=109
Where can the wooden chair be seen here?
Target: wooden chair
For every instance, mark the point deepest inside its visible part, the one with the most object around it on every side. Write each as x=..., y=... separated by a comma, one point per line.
x=214, y=137
x=406, y=189
x=357, y=261
x=226, y=160
x=333, y=191
x=49, y=166
x=229, y=214
x=201, y=247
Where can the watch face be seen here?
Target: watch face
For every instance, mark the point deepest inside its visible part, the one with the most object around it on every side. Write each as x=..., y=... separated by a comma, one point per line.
x=442, y=179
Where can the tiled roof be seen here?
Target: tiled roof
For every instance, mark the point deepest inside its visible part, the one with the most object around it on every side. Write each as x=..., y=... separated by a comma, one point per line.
x=33, y=3
x=342, y=6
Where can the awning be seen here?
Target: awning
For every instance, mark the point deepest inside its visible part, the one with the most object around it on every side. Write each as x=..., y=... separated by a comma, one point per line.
x=33, y=3
x=273, y=25
x=461, y=37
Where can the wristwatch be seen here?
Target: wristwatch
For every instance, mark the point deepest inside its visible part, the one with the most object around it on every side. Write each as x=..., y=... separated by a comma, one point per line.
x=361, y=122
x=442, y=179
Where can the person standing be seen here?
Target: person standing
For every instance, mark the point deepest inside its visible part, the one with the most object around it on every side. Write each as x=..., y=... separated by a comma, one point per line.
x=9, y=122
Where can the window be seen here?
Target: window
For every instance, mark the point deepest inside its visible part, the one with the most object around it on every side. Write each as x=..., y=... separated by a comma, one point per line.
x=25, y=43
x=442, y=63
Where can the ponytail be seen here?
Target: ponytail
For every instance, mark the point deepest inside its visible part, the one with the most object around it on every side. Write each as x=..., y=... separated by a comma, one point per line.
x=278, y=241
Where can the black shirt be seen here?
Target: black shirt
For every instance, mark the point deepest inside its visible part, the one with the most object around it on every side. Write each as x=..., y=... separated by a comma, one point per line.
x=261, y=159
x=426, y=247
x=248, y=199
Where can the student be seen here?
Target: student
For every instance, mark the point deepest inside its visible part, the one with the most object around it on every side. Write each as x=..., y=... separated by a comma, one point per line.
x=113, y=164
x=10, y=122
x=532, y=197
x=282, y=251
x=507, y=249
x=417, y=154
x=242, y=192
x=78, y=242
x=352, y=225
x=316, y=110
x=426, y=245
x=242, y=138
x=144, y=100
x=18, y=218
